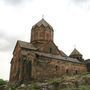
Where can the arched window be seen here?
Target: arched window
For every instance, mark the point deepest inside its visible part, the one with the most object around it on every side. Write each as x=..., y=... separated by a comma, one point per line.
x=50, y=50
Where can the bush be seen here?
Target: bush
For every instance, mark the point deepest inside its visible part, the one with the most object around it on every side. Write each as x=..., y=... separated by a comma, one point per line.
x=34, y=86
x=2, y=82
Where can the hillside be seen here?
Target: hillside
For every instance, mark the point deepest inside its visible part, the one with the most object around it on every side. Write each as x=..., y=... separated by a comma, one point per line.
x=76, y=82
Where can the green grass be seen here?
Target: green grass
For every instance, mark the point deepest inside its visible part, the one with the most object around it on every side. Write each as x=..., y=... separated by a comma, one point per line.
x=34, y=86
x=83, y=87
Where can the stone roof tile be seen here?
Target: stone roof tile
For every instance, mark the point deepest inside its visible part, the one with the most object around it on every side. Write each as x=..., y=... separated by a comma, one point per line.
x=42, y=22
x=58, y=57
x=26, y=45
x=75, y=52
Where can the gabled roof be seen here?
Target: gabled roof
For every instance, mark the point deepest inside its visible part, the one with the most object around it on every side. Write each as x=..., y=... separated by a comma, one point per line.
x=24, y=45
x=58, y=57
x=63, y=54
x=30, y=46
x=42, y=22
x=48, y=43
x=75, y=52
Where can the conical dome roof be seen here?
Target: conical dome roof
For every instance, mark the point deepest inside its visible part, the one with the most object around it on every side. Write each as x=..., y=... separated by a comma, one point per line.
x=42, y=31
x=42, y=22
x=75, y=52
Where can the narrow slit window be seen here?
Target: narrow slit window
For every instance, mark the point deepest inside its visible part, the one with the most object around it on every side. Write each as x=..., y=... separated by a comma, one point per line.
x=67, y=71
x=56, y=67
x=76, y=72
x=50, y=50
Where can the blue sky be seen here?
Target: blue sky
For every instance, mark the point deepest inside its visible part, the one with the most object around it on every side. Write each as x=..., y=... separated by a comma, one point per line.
x=69, y=18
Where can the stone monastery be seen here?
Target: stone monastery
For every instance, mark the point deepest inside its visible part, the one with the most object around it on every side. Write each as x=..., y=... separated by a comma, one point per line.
x=40, y=59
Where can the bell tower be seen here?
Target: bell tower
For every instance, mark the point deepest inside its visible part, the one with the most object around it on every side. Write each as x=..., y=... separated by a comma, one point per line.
x=41, y=32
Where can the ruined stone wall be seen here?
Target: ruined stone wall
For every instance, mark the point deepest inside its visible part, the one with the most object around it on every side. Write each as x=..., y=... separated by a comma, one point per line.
x=46, y=68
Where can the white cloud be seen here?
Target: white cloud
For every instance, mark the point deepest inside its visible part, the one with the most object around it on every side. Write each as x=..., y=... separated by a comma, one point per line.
x=4, y=44
x=82, y=3
x=5, y=65
x=7, y=43
x=16, y=1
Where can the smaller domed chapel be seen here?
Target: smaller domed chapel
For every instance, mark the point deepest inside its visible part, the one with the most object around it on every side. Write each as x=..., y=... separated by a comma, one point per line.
x=40, y=59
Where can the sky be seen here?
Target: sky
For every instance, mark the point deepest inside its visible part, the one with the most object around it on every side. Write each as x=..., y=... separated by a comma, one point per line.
x=70, y=20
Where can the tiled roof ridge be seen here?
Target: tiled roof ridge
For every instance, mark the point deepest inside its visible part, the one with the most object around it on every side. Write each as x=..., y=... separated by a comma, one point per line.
x=58, y=57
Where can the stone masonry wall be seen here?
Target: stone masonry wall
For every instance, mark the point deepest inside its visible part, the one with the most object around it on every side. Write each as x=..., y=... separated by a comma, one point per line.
x=46, y=68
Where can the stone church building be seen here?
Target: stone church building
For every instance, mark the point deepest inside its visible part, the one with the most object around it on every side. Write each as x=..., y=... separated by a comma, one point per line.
x=40, y=59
